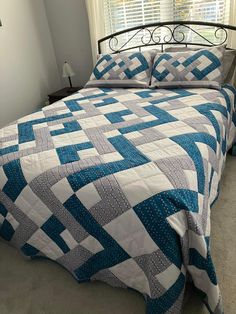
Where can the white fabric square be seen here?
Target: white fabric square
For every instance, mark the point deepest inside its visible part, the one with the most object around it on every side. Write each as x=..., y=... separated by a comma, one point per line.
x=62, y=190
x=185, y=113
x=149, y=118
x=194, y=100
x=67, y=237
x=44, y=244
x=174, y=128
x=92, y=244
x=39, y=239
x=180, y=67
x=210, y=129
x=130, y=117
x=169, y=276
x=116, y=67
x=52, y=251
x=40, y=126
x=190, y=76
x=36, y=164
x=147, y=147
x=191, y=177
x=203, y=282
x=161, y=67
x=205, y=62
x=172, y=151
x=129, y=232
x=63, y=111
x=126, y=177
x=87, y=153
x=170, y=77
x=164, y=143
x=133, y=135
x=86, y=101
x=14, y=223
x=27, y=145
x=56, y=127
x=137, y=192
x=112, y=133
x=132, y=275
x=126, y=97
x=142, y=182
x=3, y=178
x=204, y=150
x=213, y=75
x=9, y=130
x=111, y=157
x=93, y=122
x=78, y=113
x=65, y=139
x=8, y=144
x=88, y=195
x=32, y=206
x=30, y=117
x=178, y=222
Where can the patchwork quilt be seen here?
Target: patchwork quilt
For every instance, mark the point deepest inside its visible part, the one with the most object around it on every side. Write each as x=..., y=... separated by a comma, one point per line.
x=116, y=185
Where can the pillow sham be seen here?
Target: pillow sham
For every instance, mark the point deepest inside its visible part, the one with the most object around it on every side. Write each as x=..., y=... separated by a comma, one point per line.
x=125, y=69
x=228, y=63
x=202, y=68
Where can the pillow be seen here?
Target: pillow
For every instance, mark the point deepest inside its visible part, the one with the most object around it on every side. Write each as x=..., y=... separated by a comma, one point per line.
x=153, y=52
x=125, y=69
x=200, y=68
x=229, y=61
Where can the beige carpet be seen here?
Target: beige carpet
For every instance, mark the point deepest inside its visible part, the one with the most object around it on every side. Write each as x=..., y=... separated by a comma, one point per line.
x=43, y=287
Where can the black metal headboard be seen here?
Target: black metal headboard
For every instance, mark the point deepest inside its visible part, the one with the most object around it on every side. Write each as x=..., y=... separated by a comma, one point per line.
x=167, y=33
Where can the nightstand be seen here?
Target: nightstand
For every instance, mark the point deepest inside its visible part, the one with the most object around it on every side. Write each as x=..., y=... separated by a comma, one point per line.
x=62, y=93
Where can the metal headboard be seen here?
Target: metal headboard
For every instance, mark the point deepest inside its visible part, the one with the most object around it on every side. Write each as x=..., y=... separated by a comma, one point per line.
x=167, y=33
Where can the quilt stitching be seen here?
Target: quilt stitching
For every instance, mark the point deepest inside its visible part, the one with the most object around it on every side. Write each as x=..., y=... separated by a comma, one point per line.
x=72, y=184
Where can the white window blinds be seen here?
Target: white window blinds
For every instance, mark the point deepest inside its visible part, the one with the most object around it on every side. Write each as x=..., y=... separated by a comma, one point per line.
x=122, y=14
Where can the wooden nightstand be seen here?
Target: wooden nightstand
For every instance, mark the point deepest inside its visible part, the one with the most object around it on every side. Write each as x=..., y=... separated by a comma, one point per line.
x=62, y=93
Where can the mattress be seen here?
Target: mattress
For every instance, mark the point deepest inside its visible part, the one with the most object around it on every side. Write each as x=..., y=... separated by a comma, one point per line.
x=117, y=185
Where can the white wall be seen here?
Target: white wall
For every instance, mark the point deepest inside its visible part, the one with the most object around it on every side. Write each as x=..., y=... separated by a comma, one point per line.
x=28, y=69
x=68, y=22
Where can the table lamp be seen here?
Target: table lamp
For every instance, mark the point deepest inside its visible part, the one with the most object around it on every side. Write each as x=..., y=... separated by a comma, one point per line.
x=68, y=72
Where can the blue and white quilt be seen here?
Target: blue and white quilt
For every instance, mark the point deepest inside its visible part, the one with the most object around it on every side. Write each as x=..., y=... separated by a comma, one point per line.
x=116, y=185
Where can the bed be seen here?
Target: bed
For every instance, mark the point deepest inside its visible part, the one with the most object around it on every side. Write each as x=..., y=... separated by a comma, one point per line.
x=116, y=184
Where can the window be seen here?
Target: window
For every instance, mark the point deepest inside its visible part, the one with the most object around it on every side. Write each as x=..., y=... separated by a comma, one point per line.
x=123, y=14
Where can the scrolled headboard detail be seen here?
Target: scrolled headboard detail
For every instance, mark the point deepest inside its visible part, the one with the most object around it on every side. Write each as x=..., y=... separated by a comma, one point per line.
x=167, y=33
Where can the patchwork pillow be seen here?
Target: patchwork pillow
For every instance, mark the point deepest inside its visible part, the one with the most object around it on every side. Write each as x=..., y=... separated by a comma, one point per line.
x=228, y=63
x=202, y=68
x=127, y=69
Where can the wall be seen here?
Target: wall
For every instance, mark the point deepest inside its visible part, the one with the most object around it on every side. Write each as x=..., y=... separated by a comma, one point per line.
x=68, y=22
x=28, y=68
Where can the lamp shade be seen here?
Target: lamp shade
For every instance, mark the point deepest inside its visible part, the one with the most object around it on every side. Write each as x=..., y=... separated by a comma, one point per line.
x=67, y=70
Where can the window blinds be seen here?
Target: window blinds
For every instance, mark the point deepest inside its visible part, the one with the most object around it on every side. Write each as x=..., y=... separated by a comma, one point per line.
x=122, y=14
